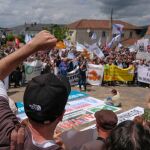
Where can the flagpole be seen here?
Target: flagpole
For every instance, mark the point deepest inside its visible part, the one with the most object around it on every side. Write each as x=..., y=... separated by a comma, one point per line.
x=110, y=28
x=111, y=22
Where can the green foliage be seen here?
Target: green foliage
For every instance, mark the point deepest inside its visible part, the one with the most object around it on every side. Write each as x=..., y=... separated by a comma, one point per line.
x=21, y=38
x=147, y=114
x=59, y=32
x=10, y=37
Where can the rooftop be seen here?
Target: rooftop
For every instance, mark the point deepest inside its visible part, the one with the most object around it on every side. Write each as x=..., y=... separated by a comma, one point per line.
x=148, y=31
x=99, y=24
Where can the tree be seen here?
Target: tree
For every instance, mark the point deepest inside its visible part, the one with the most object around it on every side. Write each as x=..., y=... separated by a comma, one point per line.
x=10, y=37
x=21, y=38
x=59, y=32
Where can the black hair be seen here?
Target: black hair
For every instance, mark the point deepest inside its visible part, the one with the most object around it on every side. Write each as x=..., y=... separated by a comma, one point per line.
x=129, y=135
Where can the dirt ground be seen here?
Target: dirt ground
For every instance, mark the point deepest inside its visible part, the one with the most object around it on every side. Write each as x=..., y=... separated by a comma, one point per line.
x=130, y=96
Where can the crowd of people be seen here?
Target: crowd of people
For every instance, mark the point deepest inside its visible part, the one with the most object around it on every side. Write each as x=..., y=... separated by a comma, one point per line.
x=45, y=98
x=63, y=61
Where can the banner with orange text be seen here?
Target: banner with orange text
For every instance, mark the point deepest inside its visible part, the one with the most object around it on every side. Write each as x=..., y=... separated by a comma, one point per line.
x=95, y=74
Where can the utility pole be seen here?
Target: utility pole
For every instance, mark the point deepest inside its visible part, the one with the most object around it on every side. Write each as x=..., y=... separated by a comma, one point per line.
x=111, y=23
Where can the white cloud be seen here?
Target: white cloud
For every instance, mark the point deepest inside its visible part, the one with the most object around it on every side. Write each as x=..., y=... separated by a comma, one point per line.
x=15, y=12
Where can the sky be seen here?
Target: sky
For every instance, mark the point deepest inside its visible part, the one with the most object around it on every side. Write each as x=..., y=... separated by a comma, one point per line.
x=17, y=12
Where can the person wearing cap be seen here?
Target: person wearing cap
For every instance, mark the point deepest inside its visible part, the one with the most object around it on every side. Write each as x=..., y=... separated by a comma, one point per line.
x=44, y=101
x=106, y=121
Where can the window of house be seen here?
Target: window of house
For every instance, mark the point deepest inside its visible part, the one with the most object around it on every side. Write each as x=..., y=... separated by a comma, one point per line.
x=122, y=35
x=91, y=33
x=70, y=33
x=103, y=34
x=114, y=35
x=131, y=34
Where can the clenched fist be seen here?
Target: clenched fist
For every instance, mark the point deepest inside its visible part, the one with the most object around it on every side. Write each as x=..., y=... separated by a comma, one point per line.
x=42, y=41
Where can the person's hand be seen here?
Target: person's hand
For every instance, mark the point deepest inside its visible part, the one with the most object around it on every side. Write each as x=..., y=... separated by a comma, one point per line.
x=43, y=41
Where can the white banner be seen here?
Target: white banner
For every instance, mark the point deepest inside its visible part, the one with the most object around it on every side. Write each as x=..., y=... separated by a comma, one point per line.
x=144, y=74
x=73, y=76
x=95, y=74
x=143, y=55
x=33, y=69
x=130, y=114
x=142, y=45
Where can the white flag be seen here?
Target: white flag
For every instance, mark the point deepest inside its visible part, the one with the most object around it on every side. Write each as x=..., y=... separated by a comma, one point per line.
x=117, y=28
x=67, y=43
x=86, y=45
x=80, y=47
x=99, y=42
x=120, y=45
x=117, y=38
x=114, y=40
x=94, y=36
x=70, y=55
x=27, y=38
x=73, y=37
x=96, y=50
x=110, y=44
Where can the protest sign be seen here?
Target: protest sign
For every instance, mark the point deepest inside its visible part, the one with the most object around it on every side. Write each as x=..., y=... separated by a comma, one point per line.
x=74, y=114
x=95, y=74
x=76, y=95
x=75, y=119
x=33, y=69
x=105, y=107
x=115, y=73
x=143, y=55
x=82, y=104
x=130, y=114
x=89, y=100
x=144, y=74
x=89, y=127
x=73, y=76
x=142, y=45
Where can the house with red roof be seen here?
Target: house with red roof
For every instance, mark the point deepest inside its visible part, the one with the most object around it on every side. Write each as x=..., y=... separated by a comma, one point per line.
x=81, y=30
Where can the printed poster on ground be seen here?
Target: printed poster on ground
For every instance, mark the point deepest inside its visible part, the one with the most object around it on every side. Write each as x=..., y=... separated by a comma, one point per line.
x=76, y=95
x=105, y=107
x=75, y=119
x=82, y=104
x=130, y=114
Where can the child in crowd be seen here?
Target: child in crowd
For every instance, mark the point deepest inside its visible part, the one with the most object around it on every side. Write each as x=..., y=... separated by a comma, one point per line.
x=113, y=100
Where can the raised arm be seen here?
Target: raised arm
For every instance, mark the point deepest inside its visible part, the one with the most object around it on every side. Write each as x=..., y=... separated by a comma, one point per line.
x=42, y=41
